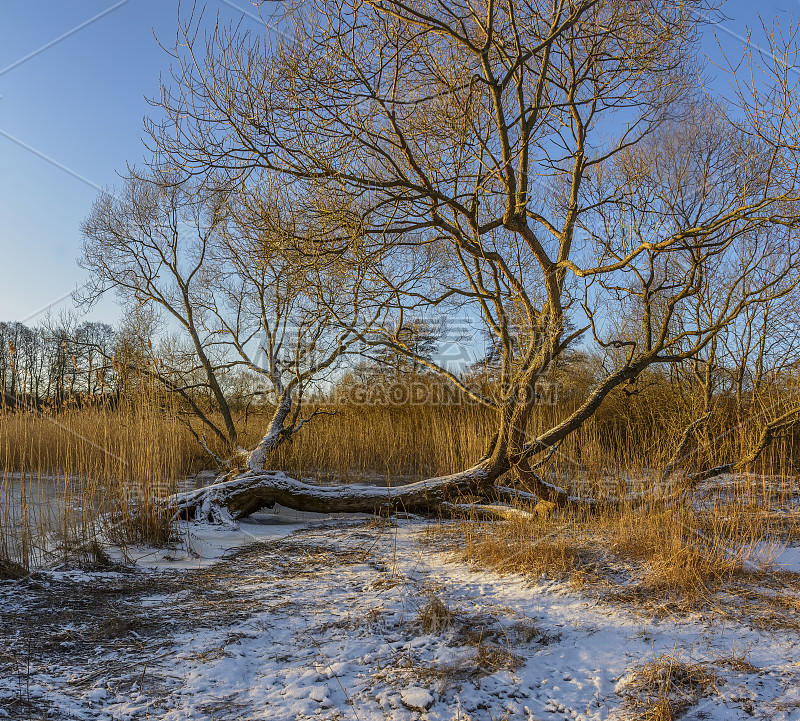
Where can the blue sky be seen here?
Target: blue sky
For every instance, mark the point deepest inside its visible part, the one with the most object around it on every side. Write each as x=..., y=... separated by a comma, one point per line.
x=71, y=117
x=81, y=103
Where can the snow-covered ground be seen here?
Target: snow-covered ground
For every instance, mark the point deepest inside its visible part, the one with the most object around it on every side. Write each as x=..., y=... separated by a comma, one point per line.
x=286, y=618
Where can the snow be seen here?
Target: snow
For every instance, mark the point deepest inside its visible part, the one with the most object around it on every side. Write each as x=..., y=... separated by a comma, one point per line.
x=780, y=556
x=416, y=698
x=788, y=559
x=289, y=617
x=203, y=544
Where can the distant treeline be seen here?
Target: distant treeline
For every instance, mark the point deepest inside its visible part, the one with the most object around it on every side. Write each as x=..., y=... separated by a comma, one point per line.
x=50, y=366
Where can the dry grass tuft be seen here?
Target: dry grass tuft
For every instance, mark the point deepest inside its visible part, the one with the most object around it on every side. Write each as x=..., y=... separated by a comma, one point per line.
x=487, y=659
x=666, y=687
x=527, y=631
x=150, y=524
x=520, y=546
x=738, y=661
x=491, y=658
x=688, y=571
x=434, y=616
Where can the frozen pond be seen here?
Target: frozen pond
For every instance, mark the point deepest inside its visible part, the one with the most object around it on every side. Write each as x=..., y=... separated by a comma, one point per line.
x=38, y=495
x=32, y=505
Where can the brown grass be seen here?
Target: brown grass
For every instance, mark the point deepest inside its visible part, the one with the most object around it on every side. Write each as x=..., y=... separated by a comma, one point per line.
x=72, y=478
x=738, y=661
x=433, y=616
x=529, y=548
x=491, y=658
x=397, y=444
x=394, y=442
x=666, y=687
x=663, y=557
x=109, y=461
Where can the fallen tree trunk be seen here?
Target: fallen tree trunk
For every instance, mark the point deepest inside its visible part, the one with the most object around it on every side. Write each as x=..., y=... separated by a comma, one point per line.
x=471, y=490
x=251, y=491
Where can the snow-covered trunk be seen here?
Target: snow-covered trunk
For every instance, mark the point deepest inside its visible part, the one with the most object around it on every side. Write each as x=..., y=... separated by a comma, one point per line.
x=275, y=435
x=252, y=491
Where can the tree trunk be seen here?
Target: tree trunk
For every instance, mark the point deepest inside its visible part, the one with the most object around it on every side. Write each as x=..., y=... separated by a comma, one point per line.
x=471, y=490
x=273, y=437
x=249, y=492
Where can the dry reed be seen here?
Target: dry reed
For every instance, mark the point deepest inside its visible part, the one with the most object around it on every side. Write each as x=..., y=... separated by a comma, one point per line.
x=74, y=477
x=62, y=472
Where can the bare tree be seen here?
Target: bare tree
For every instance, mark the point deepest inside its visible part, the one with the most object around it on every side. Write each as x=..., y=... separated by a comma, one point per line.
x=213, y=265
x=150, y=243
x=277, y=306
x=539, y=156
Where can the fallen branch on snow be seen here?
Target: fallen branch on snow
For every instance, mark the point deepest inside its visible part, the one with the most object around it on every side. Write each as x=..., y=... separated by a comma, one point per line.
x=249, y=492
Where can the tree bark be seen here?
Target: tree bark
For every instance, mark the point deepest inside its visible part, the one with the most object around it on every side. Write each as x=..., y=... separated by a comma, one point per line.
x=249, y=492
x=273, y=437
